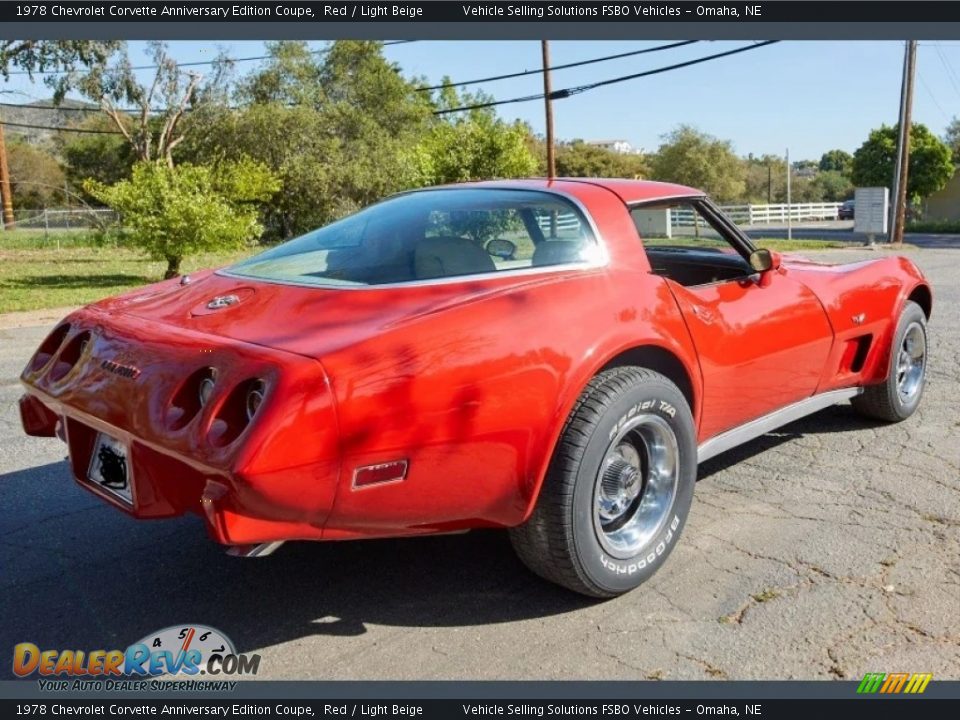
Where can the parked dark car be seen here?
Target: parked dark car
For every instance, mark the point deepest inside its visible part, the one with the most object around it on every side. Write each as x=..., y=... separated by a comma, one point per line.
x=845, y=211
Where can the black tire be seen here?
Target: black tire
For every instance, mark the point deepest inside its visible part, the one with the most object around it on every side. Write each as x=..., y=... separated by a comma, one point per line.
x=885, y=401
x=563, y=541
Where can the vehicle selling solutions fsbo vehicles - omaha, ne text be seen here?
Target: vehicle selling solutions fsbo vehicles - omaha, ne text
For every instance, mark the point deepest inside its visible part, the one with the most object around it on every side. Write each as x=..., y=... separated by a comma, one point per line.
x=552, y=357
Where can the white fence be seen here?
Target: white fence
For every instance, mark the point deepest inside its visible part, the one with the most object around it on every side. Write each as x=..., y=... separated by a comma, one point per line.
x=66, y=219
x=766, y=214
x=740, y=214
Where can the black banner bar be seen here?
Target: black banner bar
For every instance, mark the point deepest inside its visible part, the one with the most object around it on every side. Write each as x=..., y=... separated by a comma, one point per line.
x=876, y=708
x=485, y=11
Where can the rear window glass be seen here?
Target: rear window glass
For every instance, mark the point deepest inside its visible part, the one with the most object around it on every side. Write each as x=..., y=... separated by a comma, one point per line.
x=433, y=234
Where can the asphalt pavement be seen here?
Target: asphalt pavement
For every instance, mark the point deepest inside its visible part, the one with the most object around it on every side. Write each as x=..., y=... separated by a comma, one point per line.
x=827, y=549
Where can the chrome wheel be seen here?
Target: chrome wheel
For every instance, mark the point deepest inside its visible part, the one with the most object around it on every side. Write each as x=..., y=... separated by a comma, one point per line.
x=911, y=362
x=636, y=485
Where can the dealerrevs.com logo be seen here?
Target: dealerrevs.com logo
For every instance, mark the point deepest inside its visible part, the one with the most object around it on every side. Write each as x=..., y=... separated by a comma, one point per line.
x=172, y=659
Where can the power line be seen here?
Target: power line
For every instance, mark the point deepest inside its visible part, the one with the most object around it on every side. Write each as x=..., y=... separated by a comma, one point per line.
x=567, y=92
x=493, y=78
x=539, y=71
x=951, y=74
x=932, y=96
x=197, y=63
x=555, y=95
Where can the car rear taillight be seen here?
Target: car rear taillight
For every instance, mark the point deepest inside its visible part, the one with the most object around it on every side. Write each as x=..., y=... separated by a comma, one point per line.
x=236, y=412
x=190, y=397
x=49, y=347
x=70, y=356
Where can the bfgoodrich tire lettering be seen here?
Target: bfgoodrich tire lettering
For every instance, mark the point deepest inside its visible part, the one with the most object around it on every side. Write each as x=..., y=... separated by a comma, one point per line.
x=618, y=489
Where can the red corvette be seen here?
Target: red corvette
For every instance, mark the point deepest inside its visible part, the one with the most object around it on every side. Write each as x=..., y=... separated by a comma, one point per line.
x=551, y=357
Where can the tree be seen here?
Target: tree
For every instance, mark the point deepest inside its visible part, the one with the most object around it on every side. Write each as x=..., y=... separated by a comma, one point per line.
x=36, y=177
x=153, y=130
x=952, y=139
x=98, y=156
x=690, y=157
x=830, y=186
x=340, y=129
x=295, y=144
x=171, y=212
x=836, y=161
x=765, y=179
x=62, y=56
x=472, y=145
x=930, y=162
x=580, y=159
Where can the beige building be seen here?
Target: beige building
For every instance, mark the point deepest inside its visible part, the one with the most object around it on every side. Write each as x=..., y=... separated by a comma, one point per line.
x=945, y=203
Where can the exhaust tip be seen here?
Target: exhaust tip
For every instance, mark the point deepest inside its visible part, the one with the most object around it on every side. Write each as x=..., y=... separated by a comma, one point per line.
x=254, y=551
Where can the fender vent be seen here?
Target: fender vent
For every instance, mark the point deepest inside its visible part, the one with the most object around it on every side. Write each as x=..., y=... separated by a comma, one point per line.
x=860, y=355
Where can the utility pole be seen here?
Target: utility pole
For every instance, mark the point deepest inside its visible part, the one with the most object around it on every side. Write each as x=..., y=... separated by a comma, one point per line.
x=903, y=148
x=548, y=107
x=898, y=163
x=789, y=201
x=5, y=194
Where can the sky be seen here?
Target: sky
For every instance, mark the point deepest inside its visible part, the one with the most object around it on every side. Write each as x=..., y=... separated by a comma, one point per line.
x=808, y=96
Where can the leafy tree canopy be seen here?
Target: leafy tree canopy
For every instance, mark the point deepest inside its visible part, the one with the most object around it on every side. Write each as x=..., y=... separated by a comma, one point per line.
x=64, y=56
x=581, y=159
x=36, y=177
x=952, y=139
x=171, y=212
x=690, y=157
x=836, y=161
x=930, y=168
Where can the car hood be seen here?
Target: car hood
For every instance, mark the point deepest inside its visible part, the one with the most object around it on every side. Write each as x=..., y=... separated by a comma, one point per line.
x=310, y=321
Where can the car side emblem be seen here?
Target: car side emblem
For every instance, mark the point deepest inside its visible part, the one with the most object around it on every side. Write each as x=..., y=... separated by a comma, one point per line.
x=858, y=319
x=222, y=301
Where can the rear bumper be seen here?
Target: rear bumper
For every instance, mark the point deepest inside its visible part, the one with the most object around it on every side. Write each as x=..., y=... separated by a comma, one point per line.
x=164, y=485
x=265, y=485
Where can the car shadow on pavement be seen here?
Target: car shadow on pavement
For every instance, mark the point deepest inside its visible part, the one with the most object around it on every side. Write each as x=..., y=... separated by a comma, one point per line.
x=80, y=574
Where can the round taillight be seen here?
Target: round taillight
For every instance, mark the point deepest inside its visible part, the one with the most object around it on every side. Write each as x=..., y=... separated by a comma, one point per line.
x=49, y=347
x=205, y=389
x=255, y=398
x=70, y=355
x=235, y=413
x=192, y=395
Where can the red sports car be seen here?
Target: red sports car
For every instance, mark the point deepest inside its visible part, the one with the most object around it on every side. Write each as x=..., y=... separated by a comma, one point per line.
x=552, y=357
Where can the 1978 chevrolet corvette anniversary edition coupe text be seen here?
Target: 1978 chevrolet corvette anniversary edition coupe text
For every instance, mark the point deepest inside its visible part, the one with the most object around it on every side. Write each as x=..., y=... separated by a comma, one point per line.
x=552, y=357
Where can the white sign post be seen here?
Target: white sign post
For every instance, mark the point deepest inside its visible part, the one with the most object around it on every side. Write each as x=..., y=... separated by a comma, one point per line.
x=871, y=206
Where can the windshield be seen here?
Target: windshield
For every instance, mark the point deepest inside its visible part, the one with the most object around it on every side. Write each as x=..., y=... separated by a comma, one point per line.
x=433, y=234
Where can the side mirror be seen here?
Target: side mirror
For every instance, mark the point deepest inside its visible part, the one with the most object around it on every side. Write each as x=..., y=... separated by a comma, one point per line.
x=764, y=261
x=501, y=248
x=761, y=260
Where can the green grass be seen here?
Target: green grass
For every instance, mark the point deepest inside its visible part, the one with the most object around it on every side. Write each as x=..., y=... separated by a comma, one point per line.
x=35, y=275
x=934, y=227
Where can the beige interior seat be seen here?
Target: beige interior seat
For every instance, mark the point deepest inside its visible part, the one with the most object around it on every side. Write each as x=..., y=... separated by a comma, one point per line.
x=447, y=256
x=557, y=252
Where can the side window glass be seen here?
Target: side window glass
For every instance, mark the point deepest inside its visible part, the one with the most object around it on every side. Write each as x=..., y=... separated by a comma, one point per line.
x=685, y=246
